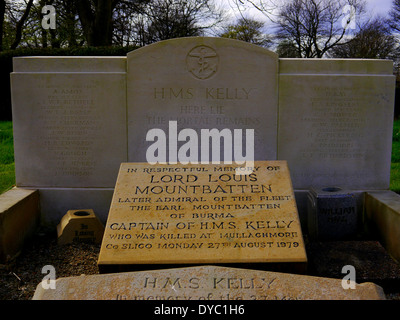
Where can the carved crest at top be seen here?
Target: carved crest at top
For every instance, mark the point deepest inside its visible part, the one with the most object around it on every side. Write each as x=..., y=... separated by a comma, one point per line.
x=202, y=62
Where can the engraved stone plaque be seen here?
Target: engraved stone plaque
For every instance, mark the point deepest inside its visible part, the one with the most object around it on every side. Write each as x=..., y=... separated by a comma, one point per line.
x=205, y=283
x=202, y=214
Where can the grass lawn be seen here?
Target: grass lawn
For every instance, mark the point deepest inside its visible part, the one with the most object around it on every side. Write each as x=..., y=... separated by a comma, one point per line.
x=7, y=170
x=395, y=167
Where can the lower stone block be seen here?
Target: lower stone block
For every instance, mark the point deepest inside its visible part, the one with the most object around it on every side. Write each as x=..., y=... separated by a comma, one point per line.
x=382, y=212
x=19, y=218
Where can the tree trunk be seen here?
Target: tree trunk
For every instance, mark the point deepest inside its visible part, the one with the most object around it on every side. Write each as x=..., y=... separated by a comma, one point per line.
x=70, y=22
x=42, y=3
x=20, y=25
x=2, y=14
x=86, y=16
x=97, y=25
x=44, y=38
x=103, y=23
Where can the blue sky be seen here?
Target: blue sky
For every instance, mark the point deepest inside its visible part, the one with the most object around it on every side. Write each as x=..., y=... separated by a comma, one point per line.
x=373, y=7
x=378, y=6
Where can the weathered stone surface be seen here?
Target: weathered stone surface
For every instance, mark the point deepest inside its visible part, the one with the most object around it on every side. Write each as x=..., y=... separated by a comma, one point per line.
x=333, y=214
x=333, y=104
x=205, y=283
x=80, y=226
x=19, y=218
x=202, y=83
x=201, y=214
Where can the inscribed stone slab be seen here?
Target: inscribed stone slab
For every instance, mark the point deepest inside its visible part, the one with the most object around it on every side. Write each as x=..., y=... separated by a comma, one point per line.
x=69, y=131
x=205, y=283
x=201, y=214
x=202, y=83
x=335, y=122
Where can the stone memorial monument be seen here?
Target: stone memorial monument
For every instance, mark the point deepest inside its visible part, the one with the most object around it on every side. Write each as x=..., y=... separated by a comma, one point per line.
x=326, y=121
x=64, y=109
x=202, y=83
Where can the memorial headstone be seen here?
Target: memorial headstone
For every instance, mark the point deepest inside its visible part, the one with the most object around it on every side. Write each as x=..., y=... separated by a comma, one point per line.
x=202, y=83
x=64, y=109
x=205, y=283
x=333, y=214
x=201, y=214
x=342, y=112
x=65, y=130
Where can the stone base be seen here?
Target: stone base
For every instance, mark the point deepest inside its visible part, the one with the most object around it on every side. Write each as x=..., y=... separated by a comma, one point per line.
x=19, y=218
x=382, y=212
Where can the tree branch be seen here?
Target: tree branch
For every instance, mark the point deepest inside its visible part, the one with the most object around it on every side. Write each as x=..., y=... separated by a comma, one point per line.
x=20, y=24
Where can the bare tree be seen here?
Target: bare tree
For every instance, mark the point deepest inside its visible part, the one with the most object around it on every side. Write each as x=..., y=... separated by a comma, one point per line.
x=317, y=26
x=166, y=19
x=268, y=8
x=373, y=41
x=395, y=16
x=124, y=21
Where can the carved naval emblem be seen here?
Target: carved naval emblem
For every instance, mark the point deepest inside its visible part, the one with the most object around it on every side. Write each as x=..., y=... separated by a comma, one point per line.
x=202, y=62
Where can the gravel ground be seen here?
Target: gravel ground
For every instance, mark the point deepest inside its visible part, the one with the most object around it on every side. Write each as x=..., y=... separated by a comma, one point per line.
x=18, y=280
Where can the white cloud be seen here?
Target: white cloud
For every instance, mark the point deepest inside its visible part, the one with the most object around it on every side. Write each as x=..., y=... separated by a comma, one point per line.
x=378, y=7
